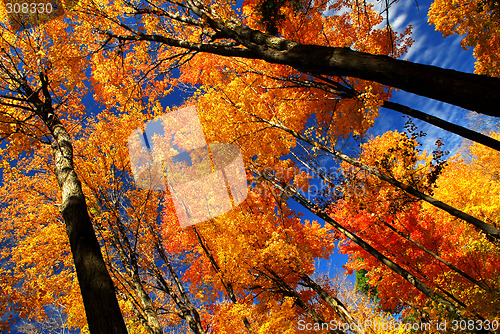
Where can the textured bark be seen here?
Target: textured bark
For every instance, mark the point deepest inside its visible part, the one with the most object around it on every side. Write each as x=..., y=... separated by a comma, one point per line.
x=188, y=311
x=128, y=258
x=470, y=91
x=292, y=192
x=153, y=322
x=98, y=293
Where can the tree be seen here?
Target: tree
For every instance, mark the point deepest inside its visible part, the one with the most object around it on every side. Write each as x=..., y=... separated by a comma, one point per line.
x=223, y=33
x=198, y=8
x=257, y=260
x=123, y=216
x=416, y=231
x=39, y=99
x=229, y=256
x=392, y=43
x=270, y=12
x=265, y=262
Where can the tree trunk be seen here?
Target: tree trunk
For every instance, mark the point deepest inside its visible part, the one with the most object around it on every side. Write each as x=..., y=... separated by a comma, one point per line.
x=453, y=128
x=97, y=289
x=293, y=193
x=470, y=91
x=335, y=304
x=492, y=234
x=98, y=293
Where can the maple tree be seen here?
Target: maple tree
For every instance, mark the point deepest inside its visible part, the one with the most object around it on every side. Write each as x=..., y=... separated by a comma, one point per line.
x=251, y=269
x=478, y=22
x=223, y=32
x=41, y=90
x=246, y=34
x=278, y=251
x=415, y=229
x=102, y=214
x=413, y=245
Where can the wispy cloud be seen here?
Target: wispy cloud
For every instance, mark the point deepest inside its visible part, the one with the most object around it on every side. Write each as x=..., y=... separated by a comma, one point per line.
x=429, y=48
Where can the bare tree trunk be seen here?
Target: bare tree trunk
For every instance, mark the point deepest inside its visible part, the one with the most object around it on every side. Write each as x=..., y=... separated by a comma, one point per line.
x=128, y=257
x=470, y=91
x=98, y=293
x=491, y=233
x=335, y=89
x=453, y=128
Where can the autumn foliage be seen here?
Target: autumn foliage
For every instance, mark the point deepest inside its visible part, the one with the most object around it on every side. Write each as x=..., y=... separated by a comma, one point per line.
x=103, y=70
x=477, y=21
x=407, y=230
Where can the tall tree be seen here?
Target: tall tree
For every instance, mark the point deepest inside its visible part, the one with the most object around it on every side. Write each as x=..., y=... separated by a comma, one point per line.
x=415, y=230
x=220, y=30
x=41, y=90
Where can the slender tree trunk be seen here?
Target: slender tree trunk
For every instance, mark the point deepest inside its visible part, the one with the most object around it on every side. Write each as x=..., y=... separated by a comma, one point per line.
x=128, y=258
x=437, y=257
x=491, y=232
x=292, y=192
x=147, y=304
x=335, y=89
x=336, y=304
x=407, y=237
x=188, y=311
x=453, y=128
x=289, y=291
x=227, y=285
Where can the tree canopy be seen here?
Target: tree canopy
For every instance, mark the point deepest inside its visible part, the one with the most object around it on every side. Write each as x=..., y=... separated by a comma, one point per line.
x=295, y=86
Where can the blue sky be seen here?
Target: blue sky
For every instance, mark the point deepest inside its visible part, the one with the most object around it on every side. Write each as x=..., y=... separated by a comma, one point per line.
x=429, y=48
x=432, y=49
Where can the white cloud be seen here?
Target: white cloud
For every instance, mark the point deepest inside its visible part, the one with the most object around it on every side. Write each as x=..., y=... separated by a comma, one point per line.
x=429, y=48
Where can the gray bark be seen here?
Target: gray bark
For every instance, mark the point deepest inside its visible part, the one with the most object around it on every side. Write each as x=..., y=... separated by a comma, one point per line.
x=97, y=289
